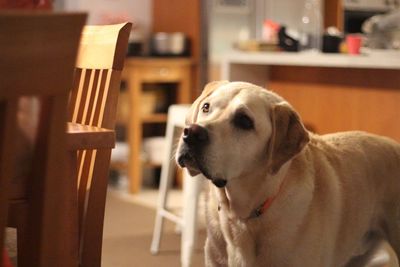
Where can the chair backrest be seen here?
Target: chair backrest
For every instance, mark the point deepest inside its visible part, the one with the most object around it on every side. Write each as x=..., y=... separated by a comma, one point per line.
x=93, y=102
x=97, y=78
x=37, y=56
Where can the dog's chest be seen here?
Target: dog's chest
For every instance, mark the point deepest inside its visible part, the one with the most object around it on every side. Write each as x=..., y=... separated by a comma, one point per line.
x=248, y=245
x=267, y=244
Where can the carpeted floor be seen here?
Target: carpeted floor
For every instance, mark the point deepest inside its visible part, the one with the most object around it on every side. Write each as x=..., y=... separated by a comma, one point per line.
x=128, y=230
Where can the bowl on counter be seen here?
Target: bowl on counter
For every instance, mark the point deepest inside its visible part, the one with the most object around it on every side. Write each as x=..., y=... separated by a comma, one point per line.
x=169, y=44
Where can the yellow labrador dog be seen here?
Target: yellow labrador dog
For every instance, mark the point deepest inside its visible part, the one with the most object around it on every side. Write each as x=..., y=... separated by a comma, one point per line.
x=282, y=196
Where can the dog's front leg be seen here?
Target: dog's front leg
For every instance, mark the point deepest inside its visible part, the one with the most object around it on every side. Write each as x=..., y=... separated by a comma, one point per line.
x=215, y=252
x=240, y=246
x=243, y=254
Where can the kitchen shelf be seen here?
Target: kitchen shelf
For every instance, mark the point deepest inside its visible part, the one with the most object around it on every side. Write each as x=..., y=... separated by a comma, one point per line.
x=138, y=73
x=155, y=118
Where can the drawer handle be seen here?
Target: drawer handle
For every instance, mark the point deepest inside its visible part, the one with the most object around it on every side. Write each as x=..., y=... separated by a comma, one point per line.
x=163, y=72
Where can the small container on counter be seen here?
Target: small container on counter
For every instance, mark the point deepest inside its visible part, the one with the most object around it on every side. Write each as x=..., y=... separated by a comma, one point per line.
x=331, y=40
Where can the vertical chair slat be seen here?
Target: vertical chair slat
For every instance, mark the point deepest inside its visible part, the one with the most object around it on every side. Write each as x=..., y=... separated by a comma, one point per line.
x=79, y=81
x=95, y=98
x=85, y=92
x=88, y=96
x=104, y=99
x=102, y=90
x=73, y=97
x=82, y=94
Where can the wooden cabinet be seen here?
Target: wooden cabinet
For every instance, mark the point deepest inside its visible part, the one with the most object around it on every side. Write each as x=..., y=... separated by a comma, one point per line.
x=332, y=93
x=137, y=73
x=342, y=99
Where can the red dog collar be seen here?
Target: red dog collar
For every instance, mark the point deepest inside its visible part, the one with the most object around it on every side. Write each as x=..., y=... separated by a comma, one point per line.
x=265, y=206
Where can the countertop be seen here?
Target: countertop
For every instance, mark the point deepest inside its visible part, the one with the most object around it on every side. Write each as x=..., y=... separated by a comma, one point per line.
x=369, y=59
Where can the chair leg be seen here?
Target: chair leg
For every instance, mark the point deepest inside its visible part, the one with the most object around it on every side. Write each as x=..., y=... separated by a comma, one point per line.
x=93, y=217
x=22, y=246
x=18, y=220
x=7, y=136
x=168, y=167
x=192, y=188
x=158, y=226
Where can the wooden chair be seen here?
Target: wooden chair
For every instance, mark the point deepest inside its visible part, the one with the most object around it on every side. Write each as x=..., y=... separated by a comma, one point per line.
x=37, y=56
x=90, y=132
x=92, y=111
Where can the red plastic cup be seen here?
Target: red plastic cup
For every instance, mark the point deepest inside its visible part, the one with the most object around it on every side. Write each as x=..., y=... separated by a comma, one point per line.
x=353, y=43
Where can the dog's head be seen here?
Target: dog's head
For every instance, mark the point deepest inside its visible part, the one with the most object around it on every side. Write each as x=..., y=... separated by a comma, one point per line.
x=233, y=128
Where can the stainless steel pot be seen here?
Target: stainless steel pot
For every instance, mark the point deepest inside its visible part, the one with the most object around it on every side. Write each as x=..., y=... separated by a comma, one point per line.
x=160, y=43
x=169, y=44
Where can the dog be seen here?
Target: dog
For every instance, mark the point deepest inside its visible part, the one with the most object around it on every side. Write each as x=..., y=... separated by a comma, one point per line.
x=281, y=196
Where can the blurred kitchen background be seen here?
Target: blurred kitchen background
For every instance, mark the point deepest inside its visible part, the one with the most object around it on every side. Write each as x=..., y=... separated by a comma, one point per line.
x=206, y=32
x=336, y=61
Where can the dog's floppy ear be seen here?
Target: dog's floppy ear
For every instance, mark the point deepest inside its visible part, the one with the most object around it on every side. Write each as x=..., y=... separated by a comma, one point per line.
x=288, y=136
x=194, y=109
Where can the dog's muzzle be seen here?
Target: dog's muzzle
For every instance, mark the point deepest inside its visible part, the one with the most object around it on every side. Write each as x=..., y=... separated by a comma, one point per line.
x=195, y=136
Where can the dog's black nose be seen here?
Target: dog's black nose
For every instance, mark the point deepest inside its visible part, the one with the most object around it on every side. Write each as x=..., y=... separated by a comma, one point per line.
x=219, y=182
x=195, y=135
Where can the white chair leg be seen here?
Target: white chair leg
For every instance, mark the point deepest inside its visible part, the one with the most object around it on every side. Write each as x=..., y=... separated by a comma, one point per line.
x=168, y=167
x=192, y=188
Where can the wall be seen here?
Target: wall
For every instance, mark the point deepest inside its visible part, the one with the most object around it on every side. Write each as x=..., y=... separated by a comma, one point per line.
x=286, y=12
x=105, y=11
x=224, y=28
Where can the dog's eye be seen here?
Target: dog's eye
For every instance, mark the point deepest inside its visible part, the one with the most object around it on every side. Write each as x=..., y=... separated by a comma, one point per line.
x=206, y=107
x=242, y=121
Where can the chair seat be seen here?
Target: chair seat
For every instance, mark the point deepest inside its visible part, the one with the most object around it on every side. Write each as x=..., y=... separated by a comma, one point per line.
x=81, y=137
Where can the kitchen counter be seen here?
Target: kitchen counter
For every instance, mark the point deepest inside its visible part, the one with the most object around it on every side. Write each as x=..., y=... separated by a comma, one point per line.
x=332, y=92
x=370, y=59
